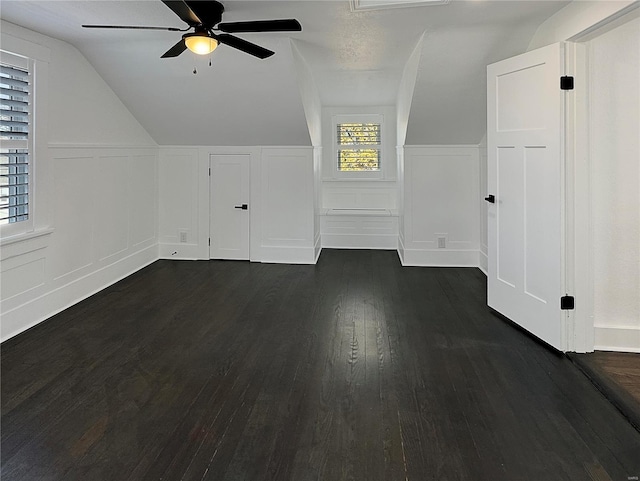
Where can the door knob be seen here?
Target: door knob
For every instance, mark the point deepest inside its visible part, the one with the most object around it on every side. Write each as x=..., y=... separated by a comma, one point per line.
x=491, y=199
x=243, y=207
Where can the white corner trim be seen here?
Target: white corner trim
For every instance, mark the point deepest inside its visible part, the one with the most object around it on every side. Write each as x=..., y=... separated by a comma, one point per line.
x=483, y=262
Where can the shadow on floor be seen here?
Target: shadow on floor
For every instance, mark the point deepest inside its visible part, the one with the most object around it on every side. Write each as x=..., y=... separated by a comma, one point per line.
x=617, y=376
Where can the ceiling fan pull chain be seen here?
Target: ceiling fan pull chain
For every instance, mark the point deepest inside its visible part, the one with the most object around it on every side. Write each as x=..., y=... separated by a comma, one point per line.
x=194, y=71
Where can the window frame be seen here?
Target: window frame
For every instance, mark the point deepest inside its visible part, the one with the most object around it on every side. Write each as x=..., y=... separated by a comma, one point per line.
x=336, y=147
x=25, y=226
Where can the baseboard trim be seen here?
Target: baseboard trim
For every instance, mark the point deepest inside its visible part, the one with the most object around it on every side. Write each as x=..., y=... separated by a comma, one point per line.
x=287, y=255
x=611, y=338
x=440, y=258
x=181, y=252
x=360, y=241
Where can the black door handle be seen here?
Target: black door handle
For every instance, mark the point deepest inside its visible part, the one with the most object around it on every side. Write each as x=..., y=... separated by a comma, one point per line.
x=491, y=198
x=243, y=207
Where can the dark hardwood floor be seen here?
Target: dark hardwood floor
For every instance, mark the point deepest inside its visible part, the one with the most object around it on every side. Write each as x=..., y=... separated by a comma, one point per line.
x=353, y=369
x=617, y=376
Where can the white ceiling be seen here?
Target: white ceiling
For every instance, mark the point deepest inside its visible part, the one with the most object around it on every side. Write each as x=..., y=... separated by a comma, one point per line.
x=357, y=59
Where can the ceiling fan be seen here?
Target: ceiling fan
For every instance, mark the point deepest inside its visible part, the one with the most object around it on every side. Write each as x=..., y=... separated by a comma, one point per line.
x=205, y=18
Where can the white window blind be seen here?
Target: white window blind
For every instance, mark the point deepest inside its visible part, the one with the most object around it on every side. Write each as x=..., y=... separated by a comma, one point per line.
x=15, y=133
x=358, y=147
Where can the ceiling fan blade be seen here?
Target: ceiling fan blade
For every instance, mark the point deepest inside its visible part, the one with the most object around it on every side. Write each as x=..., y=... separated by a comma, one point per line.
x=176, y=50
x=243, y=45
x=134, y=27
x=210, y=11
x=287, y=25
x=182, y=10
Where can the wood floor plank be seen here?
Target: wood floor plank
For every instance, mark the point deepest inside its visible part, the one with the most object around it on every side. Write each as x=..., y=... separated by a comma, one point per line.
x=353, y=369
x=617, y=376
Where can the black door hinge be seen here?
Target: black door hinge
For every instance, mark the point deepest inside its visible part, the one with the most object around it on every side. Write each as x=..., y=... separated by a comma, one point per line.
x=566, y=83
x=209, y=241
x=567, y=303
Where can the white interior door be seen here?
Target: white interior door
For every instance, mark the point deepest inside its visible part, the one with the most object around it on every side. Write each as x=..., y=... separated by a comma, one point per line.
x=525, y=128
x=229, y=226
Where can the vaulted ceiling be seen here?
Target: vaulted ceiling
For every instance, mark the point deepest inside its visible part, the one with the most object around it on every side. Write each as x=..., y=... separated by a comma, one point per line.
x=356, y=58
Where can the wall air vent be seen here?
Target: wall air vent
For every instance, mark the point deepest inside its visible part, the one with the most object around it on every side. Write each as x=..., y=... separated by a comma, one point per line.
x=359, y=5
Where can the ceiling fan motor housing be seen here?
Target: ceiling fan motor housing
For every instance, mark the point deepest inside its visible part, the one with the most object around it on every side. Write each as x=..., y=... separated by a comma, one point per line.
x=215, y=11
x=199, y=32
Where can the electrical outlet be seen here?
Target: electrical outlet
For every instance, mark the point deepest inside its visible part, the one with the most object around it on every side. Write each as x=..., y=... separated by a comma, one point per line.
x=183, y=236
x=442, y=242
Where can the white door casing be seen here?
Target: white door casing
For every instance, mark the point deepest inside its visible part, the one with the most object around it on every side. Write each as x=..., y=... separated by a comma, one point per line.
x=525, y=129
x=229, y=201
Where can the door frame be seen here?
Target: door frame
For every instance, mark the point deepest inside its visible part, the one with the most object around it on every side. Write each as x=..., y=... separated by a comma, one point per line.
x=579, y=277
x=577, y=280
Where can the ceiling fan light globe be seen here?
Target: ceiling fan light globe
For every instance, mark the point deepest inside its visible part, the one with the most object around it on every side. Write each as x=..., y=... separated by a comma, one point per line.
x=201, y=44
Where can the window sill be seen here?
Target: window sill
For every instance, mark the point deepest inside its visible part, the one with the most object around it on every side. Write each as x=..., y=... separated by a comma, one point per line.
x=338, y=179
x=360, y=211
x=21, y=244
x=23, y=237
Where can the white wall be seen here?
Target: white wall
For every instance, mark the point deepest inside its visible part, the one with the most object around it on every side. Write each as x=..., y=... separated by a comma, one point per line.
x=614, y=59
x=484, y=207
x=440, y=199
x=360, y=229
x=183, y=205
x=282, y=223
x=317, y=203
x=400, y=155
x=342, y=229
x=309, y=95
x=285, y=201
x=405, y=92
x=95, y=217
x=574, y=19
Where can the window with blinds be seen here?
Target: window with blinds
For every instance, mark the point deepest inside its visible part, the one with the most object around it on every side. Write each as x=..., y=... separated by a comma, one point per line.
x=358, y=147
x=15, y=133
